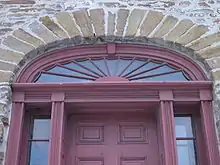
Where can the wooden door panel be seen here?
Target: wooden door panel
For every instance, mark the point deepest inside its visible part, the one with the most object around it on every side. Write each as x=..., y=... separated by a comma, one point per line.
x=90, y=161
x=113, y=140
x=133, y=161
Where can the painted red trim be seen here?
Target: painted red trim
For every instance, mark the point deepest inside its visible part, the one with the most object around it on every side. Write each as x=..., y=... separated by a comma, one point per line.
x=111, y=48
x=166, y=121
x=115, y=92
x=164, y=94
x=28, y=73
x=15, y=134
x=212, y=152
x=56, y=151
x=200, y=148
x=122, y=84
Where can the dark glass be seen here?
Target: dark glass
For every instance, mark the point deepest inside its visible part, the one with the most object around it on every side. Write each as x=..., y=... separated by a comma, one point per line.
x=38, y=153
x=112, y=66
x=183, y=127
x=101, y=65
x=123, y=63
x=178, y=76
x=186, y=152
x=146, y=67
x=134, y=66
x=185, y=141
x=54, y=78
x=41, y=129
x=39, y=141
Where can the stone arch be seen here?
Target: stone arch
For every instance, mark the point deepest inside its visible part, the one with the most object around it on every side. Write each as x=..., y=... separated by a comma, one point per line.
x=78, y=27
x=97, y=26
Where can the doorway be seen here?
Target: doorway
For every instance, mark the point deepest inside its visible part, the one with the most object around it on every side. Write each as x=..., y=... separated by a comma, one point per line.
x=112, y=138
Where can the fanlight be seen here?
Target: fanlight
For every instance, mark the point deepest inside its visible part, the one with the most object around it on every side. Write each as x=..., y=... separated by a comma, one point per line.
x=111, y=69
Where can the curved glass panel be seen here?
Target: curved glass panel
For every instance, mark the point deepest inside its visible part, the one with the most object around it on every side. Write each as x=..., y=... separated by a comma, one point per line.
x=131, y=69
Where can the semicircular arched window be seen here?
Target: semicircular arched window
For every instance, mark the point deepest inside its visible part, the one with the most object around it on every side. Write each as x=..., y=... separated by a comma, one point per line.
x=119, y=68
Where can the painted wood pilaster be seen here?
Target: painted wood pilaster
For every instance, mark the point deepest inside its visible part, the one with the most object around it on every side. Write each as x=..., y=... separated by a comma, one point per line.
x=56, y=152
x=15, y=131
x=167, y=129
x=208, y=129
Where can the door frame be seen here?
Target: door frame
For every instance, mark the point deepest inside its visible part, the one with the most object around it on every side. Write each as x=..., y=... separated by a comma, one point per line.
x=161, y=93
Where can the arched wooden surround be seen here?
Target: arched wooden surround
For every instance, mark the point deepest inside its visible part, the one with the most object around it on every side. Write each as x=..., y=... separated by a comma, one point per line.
x=197, y=92
x=189, y=66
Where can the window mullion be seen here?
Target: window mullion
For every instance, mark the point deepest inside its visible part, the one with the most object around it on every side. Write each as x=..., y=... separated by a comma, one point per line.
x=57, y=130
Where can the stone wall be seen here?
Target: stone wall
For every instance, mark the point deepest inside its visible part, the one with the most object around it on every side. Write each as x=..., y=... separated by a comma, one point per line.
x=29, y=28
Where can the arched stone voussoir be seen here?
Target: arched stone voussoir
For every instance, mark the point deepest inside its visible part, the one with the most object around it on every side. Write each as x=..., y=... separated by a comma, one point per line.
x=6, y=76
x=154, y=24
x=89, y=26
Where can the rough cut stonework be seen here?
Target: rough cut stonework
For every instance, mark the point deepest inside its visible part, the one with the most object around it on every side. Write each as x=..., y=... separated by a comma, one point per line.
x=31, y=28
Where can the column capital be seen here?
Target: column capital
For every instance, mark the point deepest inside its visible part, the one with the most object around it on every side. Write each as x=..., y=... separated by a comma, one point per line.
x=166, y=95
x=58, y=97
x=18, y=97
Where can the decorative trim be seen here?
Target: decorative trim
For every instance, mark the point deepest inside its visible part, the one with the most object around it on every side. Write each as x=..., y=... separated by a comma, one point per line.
x=111, y=48
x=15, y=134
x=113, y=92
x=32, y=69
x=212, y=152
x=166, y=121
x=57, y=97
x=56, y=151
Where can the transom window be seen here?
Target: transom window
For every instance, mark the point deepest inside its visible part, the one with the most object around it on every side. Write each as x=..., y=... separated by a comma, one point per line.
x=118, y=68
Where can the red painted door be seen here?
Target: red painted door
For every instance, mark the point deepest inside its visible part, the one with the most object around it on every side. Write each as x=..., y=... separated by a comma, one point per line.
x=112, y=139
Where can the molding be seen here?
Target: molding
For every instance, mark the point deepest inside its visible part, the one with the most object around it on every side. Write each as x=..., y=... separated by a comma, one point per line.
x=15, y=135
x=56, y=146
x=33, y=68
x=167, y=133
x=113, y=92
x=18, y=97
x=166, y=95
x=208, y=128
x=57, y=97
x=111, y=48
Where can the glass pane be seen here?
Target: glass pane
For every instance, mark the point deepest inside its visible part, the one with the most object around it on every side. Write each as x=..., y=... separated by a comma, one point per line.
x=39, y=153
x=123, y=63
x=186, y=152
x=183, y=127
x=41, y=129
x=146, y=67
x=64, y=71
x=101, y=65
x=87, y=70
x=54, y=78
x=178, y=76
x=112, y=66
x=79, y=68
x=58, y=69
x=134, y=66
